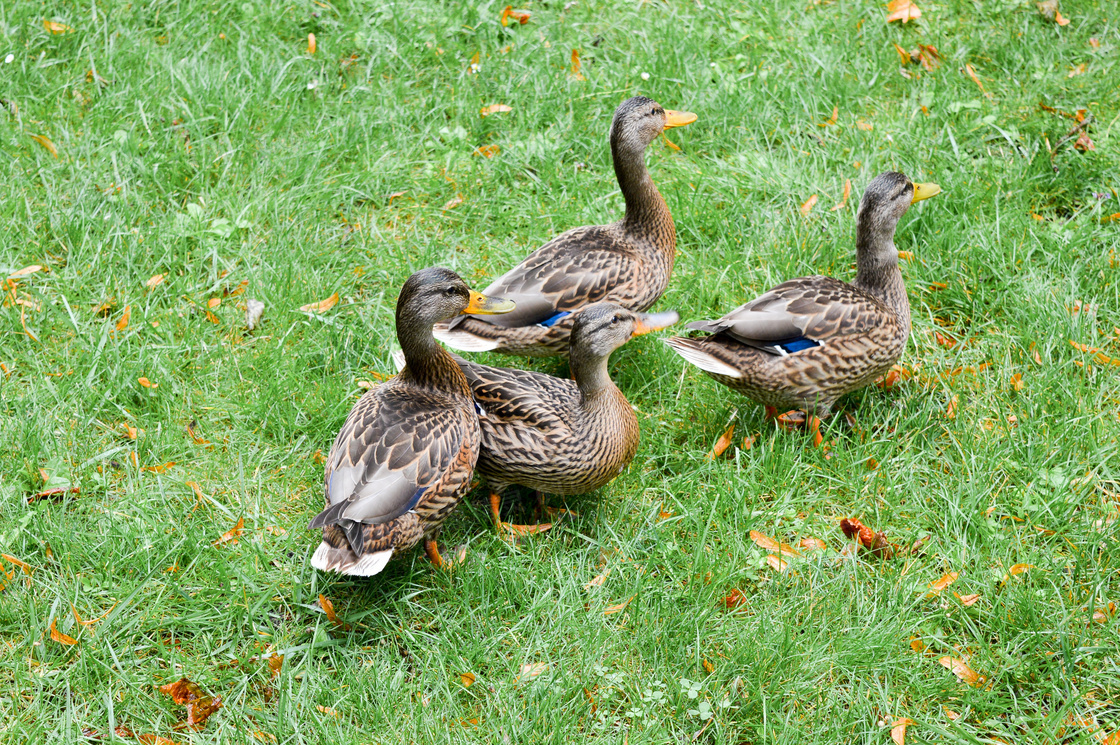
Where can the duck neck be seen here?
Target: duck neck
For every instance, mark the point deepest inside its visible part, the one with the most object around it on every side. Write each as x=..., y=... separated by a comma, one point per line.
x=877, y=271
x=592, y=378
x=428, y=364
x=645, y=208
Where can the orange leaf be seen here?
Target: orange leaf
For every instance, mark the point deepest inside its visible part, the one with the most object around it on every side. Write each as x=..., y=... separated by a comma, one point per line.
x=597, y=581
x=322, y=306
x=57, y=28
x=777, y=563
x=951, y=409
x=212, y=318
x=531, y=670
x=967, y=600
x=847, y=193
x=58, y=636
x=194, y=436
x=213, y=302
x=21, y=564
x=872, y=464
x=453, y=203
x=959, y=668
x=902, y=10
x=327, y=710
x=903, y=55
x=748, y=441
x=906, y=255
x=832, y=119
x=25, y=271
x=808, y=205
x=929, y=57
x=146, y=383
x=944, y=340
x=734, y=599
x=159, y=469
x=917, y=644
x=521, y=16
x=709, y=668
x=813, y=544
x=328, y=608
x=312, y=46
x=575, y=74
x=938, y=585
x=722, y=443
x=1017, y=381
x=200, y=705
x=468, y=679
x=898, y=731
x=972, y=74
x=495, y=108
x=487, y=151
x=1017, y=569
x=953, y=716
x=1060, y=19
x=230, y=536
x=275, y=663
x=122, y=324
x=154, y=280
x=769, y=544
x=155, y=740
x=618, y=608
x=865, y=126
x=45, y=142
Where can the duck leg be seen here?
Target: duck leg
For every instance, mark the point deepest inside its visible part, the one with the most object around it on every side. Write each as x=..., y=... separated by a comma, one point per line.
x=431, y=548
x=508, y=530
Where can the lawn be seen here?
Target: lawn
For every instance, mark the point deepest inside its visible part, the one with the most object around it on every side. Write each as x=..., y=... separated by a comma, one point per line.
x=204, y=143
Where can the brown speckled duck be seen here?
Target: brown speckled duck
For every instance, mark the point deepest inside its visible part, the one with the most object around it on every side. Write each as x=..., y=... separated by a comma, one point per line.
x=405, y=456
x=810, y=340
x=627, y=262
x=561, y=436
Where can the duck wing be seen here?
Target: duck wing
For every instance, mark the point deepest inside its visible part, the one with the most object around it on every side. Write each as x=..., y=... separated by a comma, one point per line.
x=394, y=444
x=520, y=406
x=574, y=269
x=800, y=314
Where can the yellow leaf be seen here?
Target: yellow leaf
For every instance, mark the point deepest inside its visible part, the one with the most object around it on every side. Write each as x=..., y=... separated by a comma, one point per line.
x=575, y=74
x=954, y=716
x=777, y=563
x=311, y=44
x=902, y=10
x=766, y=542
x=213, y=302
x=23, y=565
x=612, y=609
x=487, y=151
x=468, y=679
x=58, y=636
x=898, y=731
x=975, y=79
x=722, y=443
x=938, y=585
x=453, y=203
x=231, y=535
x=45, y=142
x=322, y=306
x=1017, y=569
x=328, y=608
x=57, y=28
x=1077, y=70
x=154, y=280
x=709, y=668
x=808, y=205
x=597, y=580
x=832, y=119
x=959, y=668
x=967, y=600
x=147, y=383
x=25, y=271
x=531, y=670
x=495, y=108
x=327, y=710
x=1017, y=381
x=122, y=324
x=917, y=644
x=844, y=201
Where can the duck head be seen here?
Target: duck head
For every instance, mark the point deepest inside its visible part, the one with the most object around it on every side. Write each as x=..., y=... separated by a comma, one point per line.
x=885, y=201
x=639, y=120
x=437, y=294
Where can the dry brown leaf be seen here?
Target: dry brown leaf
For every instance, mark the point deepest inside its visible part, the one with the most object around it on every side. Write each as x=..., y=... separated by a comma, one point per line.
x=902, y=10
x=709, y=668
x=57, y=28
x=917, y=644
x=1017, y=569
x=776, y=562
x=468, y=679
x=24, y=566
x=453, y=203
x=597, y=580
x=122, y=323
x=487, y=151
x=975, y=79
x=769, y=544
x=722, y=443
x=213, y=302
x=898, y=730
x=951, y=409
x=575, y=73
x=961, y=669
x=159, y=469
x=327, y=710
x=45, y=142
x=832, y=119
x=58, y=636
x=322, y=306
x=968, y=600
x=146, y=383
x=813, y=544
x=617, y=608
x=1017, y=381
x=312, y=44
x=328, y=608
x=200, y=705
x=936, y=586
x=872, y=464
x=1094, y=42
x=1077, y=70
x=734, y=599
x=903, y=55
x=275, y=663
x=495, y=108
x=844, y=200
x=194, y=435
x=531, y=670
x=231, y=535
x=25, y=271
x=954, y=716
x=929, y=57
x=1084, y=144
x=154, y=280
x=808, y=205
x=154, y=740
x=521, y=16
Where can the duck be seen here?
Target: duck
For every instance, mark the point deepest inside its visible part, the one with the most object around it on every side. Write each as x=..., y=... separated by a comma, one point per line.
x=810, y=340
x=406, y=454
x=627, y=262
x=557, y=435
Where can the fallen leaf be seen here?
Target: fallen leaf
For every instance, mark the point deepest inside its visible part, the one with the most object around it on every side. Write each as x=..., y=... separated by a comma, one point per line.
x=1017, y=569
x=722, y=443
x=709, y=668
x=58, y=636
x=495, y=108
x=748, y=441
x=194, y=435
x=902, y=10
x=45, y=142
x=975, y=79
x=1083, y=143
x=90, y=622
x=214, y=302
x=159, y=469
x=832, y=119
x=25, y=271
x=1077, y=70
x=776, y=562
x=617, y=608
x=1094, y=42
x=275, y=663
x=769, y=544
x=959, y=668
x=153, y=739
x=1017, y=381
x=146, y=383
x=844, y=200
x=487, y=151
x=312, y=45
x=734, y=599
x=967, y=600
x=200, y=705
x=597, y=580
x=521, y=16
x=903, y=55
x=322, y=306
x=531, y=670
x=1102, y=615
x=453, y=203
x=231, y=535
x=154, y=280
x=475, y=65
x=212, y=318
x=24, y=566
x=575, y=73
x=813, y=544
x=57, y=28
x=929, y=57
x=936, y=586
x=944, y=340
x=328, y=608
x=951, y=409
x=808, y=205
x=872, y=464
x=327, y=710
x=906, y=255
x=468, y=679
x=898, y=730
x=122, y=323
x=954, y=716
x=917, y=644
x=936, y=286
x=318, y=457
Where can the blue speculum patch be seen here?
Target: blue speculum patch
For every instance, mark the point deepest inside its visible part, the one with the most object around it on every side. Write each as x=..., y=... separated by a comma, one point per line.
x=553, y=320
x=797, y=345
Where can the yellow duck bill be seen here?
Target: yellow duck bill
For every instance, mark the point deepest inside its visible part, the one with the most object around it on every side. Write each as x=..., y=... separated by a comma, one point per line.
x=925, y=191
x=648, y=322
x=678, y=118
x=488, y=306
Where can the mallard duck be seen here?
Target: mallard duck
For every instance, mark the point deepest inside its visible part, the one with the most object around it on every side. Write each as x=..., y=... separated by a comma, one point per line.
x=810, y=340
x=405, y=456
x=627, y=262
x=554, y=435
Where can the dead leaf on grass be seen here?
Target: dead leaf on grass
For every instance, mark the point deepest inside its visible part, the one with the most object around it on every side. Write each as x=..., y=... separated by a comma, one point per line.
x=508, y=14
x=200, y=705
x=46, y=143
x=487, y=151
x=967, y=600
x=453, y=203
x=231, y=535
x=813, y=544
x=146, y=383
x=722, y=443
x=618, y=607
x=844, y=200
x=328, y=608
x=154, y=281
x=832, y=119
x=598, y=580
x=961, y=669
x=467, y=679
x=898, y=730
x=575, y=73
x=322, y=306
x=57, y=28
x=312, y=44
x=808, y=205
x=776, y=562
x=902, y=10
x=122, y=322
x=937, y=585
x=531, y=670
x=495, y=108
x=766, y=542
x=61, y=638
x=734, y=599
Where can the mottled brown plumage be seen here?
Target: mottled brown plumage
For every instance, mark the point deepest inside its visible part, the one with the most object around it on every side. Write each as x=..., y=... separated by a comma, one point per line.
x=562, y=436
x=627, y=262
x=810, y=340
x=405, y=456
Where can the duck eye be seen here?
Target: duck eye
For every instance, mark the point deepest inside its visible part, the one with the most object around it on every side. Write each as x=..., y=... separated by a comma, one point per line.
x=449, y=291
x=616, y=319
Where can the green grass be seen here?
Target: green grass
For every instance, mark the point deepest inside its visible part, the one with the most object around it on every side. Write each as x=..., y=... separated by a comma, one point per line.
x=210, y=147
